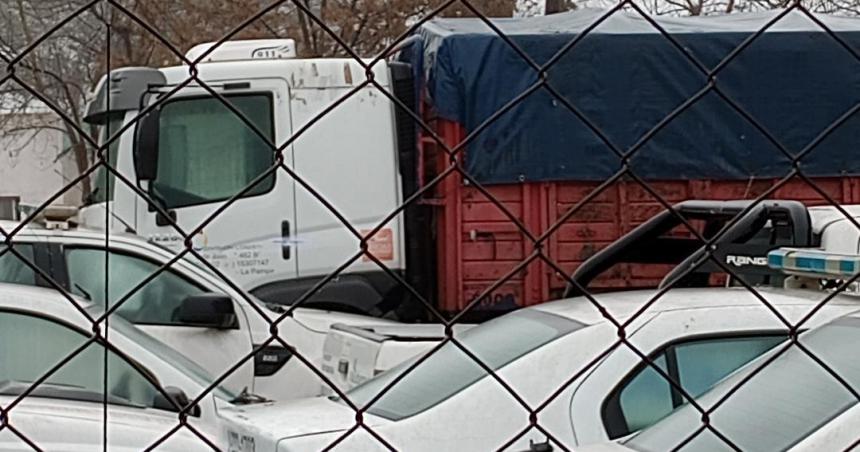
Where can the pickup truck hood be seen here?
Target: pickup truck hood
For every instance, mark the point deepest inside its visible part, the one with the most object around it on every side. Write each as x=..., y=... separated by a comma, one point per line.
x=271, y=422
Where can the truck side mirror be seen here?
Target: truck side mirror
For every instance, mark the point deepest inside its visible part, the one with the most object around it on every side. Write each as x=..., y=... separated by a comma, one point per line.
x=146, y=146
x=209, y=310
x=179, y=398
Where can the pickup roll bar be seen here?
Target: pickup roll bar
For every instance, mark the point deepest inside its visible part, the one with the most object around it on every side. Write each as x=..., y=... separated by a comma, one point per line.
x=766, y=226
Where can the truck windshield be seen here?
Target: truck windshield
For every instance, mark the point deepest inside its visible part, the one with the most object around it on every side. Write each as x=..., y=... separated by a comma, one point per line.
x=793, y=388
x=103, y=181
x=449, y=370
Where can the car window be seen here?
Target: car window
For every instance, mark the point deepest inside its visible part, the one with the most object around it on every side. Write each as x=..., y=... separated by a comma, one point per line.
x=31, y=346
x=449, y=370
x=646, y=396
x=793, y=388
x=155, y=303
x=13, y=270
x=198, y=163
x=702, y=363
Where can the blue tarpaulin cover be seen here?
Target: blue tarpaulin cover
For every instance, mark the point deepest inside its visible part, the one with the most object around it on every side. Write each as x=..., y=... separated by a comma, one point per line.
x=794, y=79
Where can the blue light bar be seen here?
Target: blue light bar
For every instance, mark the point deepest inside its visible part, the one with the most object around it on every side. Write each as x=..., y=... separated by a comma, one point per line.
x=813, y=262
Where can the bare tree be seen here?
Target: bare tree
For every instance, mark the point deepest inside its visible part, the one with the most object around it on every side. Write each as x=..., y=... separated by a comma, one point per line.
x=367, y=26
x=59, y=70
x=716, y=7
x=65, y=66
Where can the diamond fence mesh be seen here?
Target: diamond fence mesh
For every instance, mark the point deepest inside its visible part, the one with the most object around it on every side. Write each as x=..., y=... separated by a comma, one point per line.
x=538, y=241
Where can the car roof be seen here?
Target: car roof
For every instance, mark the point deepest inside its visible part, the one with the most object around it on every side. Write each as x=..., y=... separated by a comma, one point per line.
x=36, y=229
x=823, y=216
x=42, y=300
x=623, y=305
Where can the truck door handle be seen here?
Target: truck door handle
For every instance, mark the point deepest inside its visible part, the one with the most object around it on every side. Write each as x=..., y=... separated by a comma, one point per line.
x=286, y=248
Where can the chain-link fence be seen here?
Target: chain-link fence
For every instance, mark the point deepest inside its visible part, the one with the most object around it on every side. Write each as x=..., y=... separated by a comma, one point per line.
x=470, y=167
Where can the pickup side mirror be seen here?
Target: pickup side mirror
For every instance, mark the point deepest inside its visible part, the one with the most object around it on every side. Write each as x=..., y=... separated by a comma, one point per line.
x=179, y=398
x=146, y=146
x=208, y=310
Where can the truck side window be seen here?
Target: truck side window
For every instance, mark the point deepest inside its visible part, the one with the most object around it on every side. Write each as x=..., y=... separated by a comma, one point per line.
x=13, y=270
x=644, y=397
x=153, y=304
x=200, y=163
x=103, y=180
x=31, y=346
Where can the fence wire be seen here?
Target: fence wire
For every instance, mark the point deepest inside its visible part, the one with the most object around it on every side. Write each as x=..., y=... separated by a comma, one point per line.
x=538, y=240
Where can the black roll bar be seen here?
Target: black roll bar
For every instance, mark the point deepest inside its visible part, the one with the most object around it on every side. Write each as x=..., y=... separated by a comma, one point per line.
x=740, y=246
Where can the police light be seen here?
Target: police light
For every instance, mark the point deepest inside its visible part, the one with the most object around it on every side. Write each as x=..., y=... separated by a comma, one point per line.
x=813, y=262
x=57, y=217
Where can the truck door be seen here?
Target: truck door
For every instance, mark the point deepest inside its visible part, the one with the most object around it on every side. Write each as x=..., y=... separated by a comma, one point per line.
x=350, y=159
x=206, y=155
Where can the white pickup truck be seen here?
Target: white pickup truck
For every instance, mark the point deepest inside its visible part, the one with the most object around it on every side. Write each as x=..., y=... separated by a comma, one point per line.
x=186, y=306
x=353, y=354
x=564, y=360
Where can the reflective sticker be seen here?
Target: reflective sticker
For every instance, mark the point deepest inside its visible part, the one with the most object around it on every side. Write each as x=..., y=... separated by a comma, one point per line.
x=381, y=245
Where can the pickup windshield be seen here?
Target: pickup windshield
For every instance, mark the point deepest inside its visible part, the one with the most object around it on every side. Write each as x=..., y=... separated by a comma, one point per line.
x=793, y=388
x=171, y=356
x=62, y=362
x=449, y=370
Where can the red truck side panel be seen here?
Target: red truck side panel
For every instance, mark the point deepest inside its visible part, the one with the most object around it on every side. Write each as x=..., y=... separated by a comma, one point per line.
x=479, y=244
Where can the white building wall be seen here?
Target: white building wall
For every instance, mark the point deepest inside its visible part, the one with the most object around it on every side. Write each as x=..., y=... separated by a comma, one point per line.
x=29, y=164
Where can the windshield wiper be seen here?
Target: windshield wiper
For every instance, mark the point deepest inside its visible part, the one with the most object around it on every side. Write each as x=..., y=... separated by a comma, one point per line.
x=278, y=308
x=83, y=292
x=248, y=398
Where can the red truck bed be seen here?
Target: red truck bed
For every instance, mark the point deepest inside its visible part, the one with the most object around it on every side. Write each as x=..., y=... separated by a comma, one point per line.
x=479, y=245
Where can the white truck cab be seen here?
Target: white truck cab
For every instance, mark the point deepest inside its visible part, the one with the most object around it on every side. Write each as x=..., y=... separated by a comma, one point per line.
x=211, y=167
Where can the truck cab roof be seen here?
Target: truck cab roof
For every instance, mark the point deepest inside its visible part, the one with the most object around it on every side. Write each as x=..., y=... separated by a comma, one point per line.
x=299, y=73
x=123, y=88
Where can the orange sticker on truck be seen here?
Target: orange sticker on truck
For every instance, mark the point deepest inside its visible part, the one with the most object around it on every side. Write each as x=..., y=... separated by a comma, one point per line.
x=380, y=245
